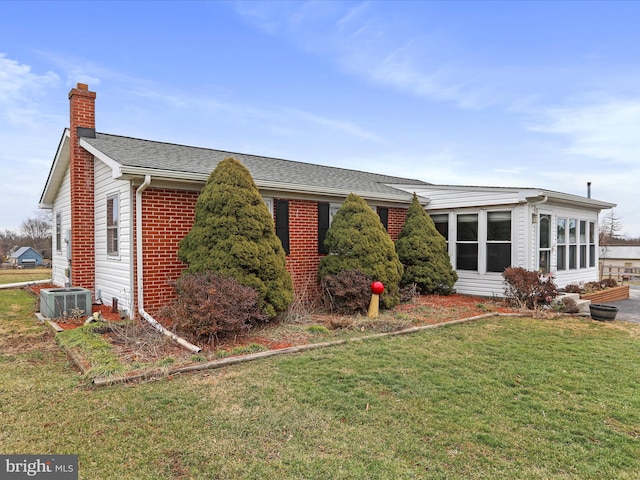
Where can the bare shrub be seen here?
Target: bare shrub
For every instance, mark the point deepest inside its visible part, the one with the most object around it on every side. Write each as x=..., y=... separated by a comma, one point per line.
x=591, y=287
x=347, y=292
x=569, y=305
x=210, y=305
x=409, y=292
x=574, y=288
x=527, y=288
x=306, y=301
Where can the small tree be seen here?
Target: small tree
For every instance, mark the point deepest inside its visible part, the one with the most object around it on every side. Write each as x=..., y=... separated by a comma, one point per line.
x=609, y=233
x=233, y=235
x=357, y=240
x=423, y=252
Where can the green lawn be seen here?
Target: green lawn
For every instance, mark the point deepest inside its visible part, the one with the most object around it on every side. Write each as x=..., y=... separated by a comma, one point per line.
x=499, y=398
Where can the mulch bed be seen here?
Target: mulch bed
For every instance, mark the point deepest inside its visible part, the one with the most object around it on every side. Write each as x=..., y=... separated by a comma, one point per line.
x=138, y=342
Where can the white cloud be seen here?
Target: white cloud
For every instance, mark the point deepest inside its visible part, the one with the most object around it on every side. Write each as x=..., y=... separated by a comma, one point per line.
x=21, y=89
x=606, y=129
x=344, y=126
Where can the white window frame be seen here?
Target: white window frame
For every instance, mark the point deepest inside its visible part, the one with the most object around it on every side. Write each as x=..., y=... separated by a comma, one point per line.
x=113, y=229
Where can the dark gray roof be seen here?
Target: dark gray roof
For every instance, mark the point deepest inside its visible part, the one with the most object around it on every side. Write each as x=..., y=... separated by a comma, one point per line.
x=168, y=157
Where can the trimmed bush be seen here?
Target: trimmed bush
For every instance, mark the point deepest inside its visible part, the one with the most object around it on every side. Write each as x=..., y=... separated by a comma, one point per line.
x=423, y=253
x=347, y=292
x=210, y=306
x=527, y=288
x=357, y=240
x=233, y=235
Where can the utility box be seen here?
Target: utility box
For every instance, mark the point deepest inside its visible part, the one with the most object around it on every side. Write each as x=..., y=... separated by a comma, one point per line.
x=60, y=302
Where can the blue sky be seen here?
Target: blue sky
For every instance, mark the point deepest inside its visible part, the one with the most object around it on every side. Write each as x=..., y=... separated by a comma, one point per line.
x=522, y=94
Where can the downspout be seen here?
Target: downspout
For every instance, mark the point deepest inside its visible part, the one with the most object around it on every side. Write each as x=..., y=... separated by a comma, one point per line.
x=534, y=210
x=140, y=275
x=540, y=202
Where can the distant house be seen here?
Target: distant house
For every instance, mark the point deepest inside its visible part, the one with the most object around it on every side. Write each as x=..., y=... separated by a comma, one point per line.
x=25, y=257
x=621, y=262
x=121, y=206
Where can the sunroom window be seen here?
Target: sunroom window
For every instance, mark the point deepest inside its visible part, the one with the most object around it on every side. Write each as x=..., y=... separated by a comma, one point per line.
x=498, y=241
x=467, y=242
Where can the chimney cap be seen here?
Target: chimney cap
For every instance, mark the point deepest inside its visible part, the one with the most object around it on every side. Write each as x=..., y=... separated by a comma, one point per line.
x=83, y=86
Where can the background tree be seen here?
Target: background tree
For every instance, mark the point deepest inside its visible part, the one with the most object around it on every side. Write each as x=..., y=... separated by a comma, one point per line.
x=233, y=235
x=8, y=240
x=37, y=233
x=357, y=240
x=423, y=252
x=608, y=234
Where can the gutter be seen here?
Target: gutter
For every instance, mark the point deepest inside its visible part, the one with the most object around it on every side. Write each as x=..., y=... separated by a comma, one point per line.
x=140, y=275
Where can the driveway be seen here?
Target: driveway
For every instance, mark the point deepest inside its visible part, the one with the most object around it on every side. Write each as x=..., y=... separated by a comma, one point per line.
x=629, y=310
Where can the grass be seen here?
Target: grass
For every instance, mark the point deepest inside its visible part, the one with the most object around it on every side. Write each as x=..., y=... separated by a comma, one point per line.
x=497, y=398
x=25, y=275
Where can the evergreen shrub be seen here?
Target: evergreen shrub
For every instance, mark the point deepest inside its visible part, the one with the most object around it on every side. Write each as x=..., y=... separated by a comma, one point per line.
x=423, y=253
x=357, y=240
x=233, y=235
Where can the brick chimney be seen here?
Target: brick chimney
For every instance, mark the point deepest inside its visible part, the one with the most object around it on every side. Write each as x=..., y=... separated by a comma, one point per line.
x=82, y=124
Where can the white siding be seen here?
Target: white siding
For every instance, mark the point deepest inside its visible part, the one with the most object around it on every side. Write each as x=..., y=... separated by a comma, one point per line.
x=113, y=274
x=565, y=277
x=524, y=239
x=62, y=205
x=450, y=198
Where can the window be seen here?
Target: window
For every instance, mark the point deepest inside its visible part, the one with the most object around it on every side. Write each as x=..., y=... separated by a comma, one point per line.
x=58, y=232
x=592, y=244
x=544, y=244
x=112, y=225
x=583, y=244
x=562, y=244
x=573, y=248
x=441, y=222
x=498, y=241
x=383, y=213
x=323, y=226
x=282, y=223
x=326, y=212
x=467, y=242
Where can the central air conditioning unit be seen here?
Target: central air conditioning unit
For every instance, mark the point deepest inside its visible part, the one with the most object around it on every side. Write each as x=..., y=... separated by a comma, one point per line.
x=64, y=302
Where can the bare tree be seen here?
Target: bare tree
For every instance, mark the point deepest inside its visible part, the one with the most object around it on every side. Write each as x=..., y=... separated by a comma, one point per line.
x=610, y=230
x=8, y=240
x=37, y=232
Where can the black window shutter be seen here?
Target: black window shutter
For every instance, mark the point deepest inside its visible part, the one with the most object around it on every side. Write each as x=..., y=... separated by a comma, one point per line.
x=323, y=226
x=383, y=213
x=282, y=223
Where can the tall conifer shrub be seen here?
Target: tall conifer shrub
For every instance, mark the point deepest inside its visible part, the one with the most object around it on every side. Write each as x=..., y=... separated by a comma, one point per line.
x=423, y=252
x=233, y=235
x=357, y=240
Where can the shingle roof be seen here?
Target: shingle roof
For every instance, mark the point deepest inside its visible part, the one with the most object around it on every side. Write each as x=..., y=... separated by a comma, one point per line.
x=168, y=157
x=21, y=251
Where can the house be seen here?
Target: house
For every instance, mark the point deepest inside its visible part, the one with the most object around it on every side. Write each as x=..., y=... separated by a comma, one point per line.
x=621, y=262
x=25, y=257
x=121, y=206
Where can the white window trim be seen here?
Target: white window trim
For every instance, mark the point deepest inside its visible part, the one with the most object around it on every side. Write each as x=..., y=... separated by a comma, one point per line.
x=112, y=255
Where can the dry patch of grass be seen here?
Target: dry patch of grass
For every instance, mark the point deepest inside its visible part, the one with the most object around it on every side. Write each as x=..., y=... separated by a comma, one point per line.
x=24, y=275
